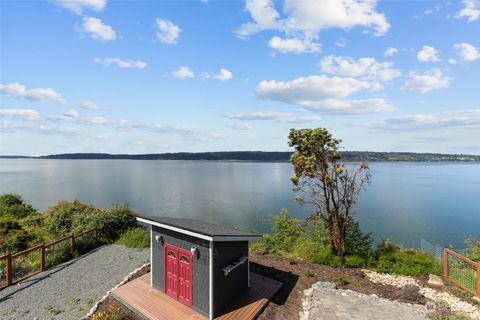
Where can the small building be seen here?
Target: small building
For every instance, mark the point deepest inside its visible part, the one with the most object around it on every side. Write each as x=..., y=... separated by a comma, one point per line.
x=202, y=265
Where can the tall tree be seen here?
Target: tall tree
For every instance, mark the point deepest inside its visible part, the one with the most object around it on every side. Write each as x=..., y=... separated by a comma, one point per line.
x=322, y=181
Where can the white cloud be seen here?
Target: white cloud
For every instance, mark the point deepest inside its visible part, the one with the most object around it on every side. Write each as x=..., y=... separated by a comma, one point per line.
x=452, y=61
x=467, y=52
x=428, y=54
x=16, y=89
x=78, y=6
x=183, y=72
x=308, y=18
x=364, y=68
x=426, y=81
x=95, y=121
x=242, y=126
x=124, y=64
x=390, y=52
x=324, y=94
x=97, y=29
x=280, y=117
x=294, y=45
x=470, y=10
x=450, y=119
x=167, y=31
x=223, y=75
x=72, y=113
x=342, y=43
x=89, y=105
x=23, y=114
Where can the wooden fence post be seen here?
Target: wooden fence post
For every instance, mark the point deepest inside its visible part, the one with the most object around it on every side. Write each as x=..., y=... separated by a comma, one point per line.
x=445, y=263
x=72, y=244
x=42, y=257
x=8, y=269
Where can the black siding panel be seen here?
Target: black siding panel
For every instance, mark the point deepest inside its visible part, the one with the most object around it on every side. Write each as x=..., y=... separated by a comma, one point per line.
x=227, y=288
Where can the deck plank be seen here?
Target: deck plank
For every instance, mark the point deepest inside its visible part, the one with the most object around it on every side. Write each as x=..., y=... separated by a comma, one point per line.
x=153, y=304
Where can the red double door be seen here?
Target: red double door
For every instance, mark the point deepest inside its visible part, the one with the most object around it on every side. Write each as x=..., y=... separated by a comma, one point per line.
x=178, y=274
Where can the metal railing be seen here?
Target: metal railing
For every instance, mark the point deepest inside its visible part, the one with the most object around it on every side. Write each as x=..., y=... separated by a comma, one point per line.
x=461, y=271
x=22, y=265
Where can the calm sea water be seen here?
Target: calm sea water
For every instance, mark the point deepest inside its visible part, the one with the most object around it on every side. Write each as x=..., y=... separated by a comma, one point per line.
x=406, y=202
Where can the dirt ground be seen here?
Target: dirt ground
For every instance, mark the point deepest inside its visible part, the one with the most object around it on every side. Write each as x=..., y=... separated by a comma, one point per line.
x=299, y=276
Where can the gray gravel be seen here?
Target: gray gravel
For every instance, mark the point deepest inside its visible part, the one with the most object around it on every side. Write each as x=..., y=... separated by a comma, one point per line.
x=324, y=302
x=69, y=290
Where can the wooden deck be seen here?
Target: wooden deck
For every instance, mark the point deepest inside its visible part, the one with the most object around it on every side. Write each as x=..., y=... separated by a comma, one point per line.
x=153, y=304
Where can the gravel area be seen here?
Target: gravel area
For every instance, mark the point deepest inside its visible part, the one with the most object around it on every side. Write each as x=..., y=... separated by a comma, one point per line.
x=455, y=304
x=323, y=301
x=69, y=290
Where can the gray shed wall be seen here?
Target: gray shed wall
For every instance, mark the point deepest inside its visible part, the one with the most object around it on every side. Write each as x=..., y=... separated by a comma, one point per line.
x=226, y=288
x=200, y=265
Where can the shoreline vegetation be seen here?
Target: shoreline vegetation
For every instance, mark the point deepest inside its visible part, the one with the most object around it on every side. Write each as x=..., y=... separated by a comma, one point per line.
x=261, y=156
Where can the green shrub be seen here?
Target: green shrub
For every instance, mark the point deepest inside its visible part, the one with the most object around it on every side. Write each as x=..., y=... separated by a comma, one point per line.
x=16, y=241
x=8, y=223
x=73, y=216
x=135, y=238
x=408, y=262
x=341, y=282
x=473, y=248
x=285, y=232
x=14, y=205
x=312, y=251
x=58, y=254
x=115, y=221
x=357, y=243
x=68, y=216
x=355, y=262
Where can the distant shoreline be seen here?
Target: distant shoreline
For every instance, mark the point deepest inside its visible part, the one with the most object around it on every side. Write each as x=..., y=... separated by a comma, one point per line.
x=260, y=156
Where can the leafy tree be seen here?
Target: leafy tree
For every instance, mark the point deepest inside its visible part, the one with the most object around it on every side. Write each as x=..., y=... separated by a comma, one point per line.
x=14, y=205
x=473, y=248
x=325, y=183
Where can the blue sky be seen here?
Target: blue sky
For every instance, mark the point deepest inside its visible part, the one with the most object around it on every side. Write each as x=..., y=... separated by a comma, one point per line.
x=169, y=76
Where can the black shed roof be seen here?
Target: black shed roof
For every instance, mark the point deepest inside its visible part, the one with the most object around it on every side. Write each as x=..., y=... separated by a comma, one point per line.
x=200, y=229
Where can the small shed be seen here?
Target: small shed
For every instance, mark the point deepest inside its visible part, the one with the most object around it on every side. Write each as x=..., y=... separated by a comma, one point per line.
x=202, y=265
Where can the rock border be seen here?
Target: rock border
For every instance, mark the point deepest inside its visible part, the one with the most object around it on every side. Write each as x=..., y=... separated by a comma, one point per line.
x=125, y=280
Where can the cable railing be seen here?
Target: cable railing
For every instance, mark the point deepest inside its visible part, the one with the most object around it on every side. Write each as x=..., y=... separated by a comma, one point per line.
x=22, y=265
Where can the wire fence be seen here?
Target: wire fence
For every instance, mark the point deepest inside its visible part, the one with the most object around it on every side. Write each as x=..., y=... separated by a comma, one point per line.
x=19, y=266
x=462, y=271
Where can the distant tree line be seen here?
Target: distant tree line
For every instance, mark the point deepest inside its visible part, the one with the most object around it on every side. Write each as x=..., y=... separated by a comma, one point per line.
x=266, y=156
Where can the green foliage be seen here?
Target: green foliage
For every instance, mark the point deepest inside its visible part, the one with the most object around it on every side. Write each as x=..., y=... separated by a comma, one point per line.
x=312, y=251
x=8, y=223
x=408, y=262
x=473, y=248
x=14, y=205
x=285, y=232
x=58, y=254
x=448, y=316
x=355, y=262
x=73, y=216
x=68, y=216
x=17, y=240
x=341, y=282
x=309, y=273
x=357, y=243
x=115, y=221
x=135, y=238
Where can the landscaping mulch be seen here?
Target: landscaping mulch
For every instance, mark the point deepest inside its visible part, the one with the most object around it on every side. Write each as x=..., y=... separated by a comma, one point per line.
x=297, y=276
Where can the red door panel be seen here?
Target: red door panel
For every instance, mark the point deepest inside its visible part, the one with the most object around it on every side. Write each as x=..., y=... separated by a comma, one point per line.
x=185, y=278
x=171, y=272
x=178, y=274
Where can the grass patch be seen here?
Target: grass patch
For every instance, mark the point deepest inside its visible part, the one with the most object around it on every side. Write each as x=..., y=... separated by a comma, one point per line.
x=135, y=238
x=408, y=262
